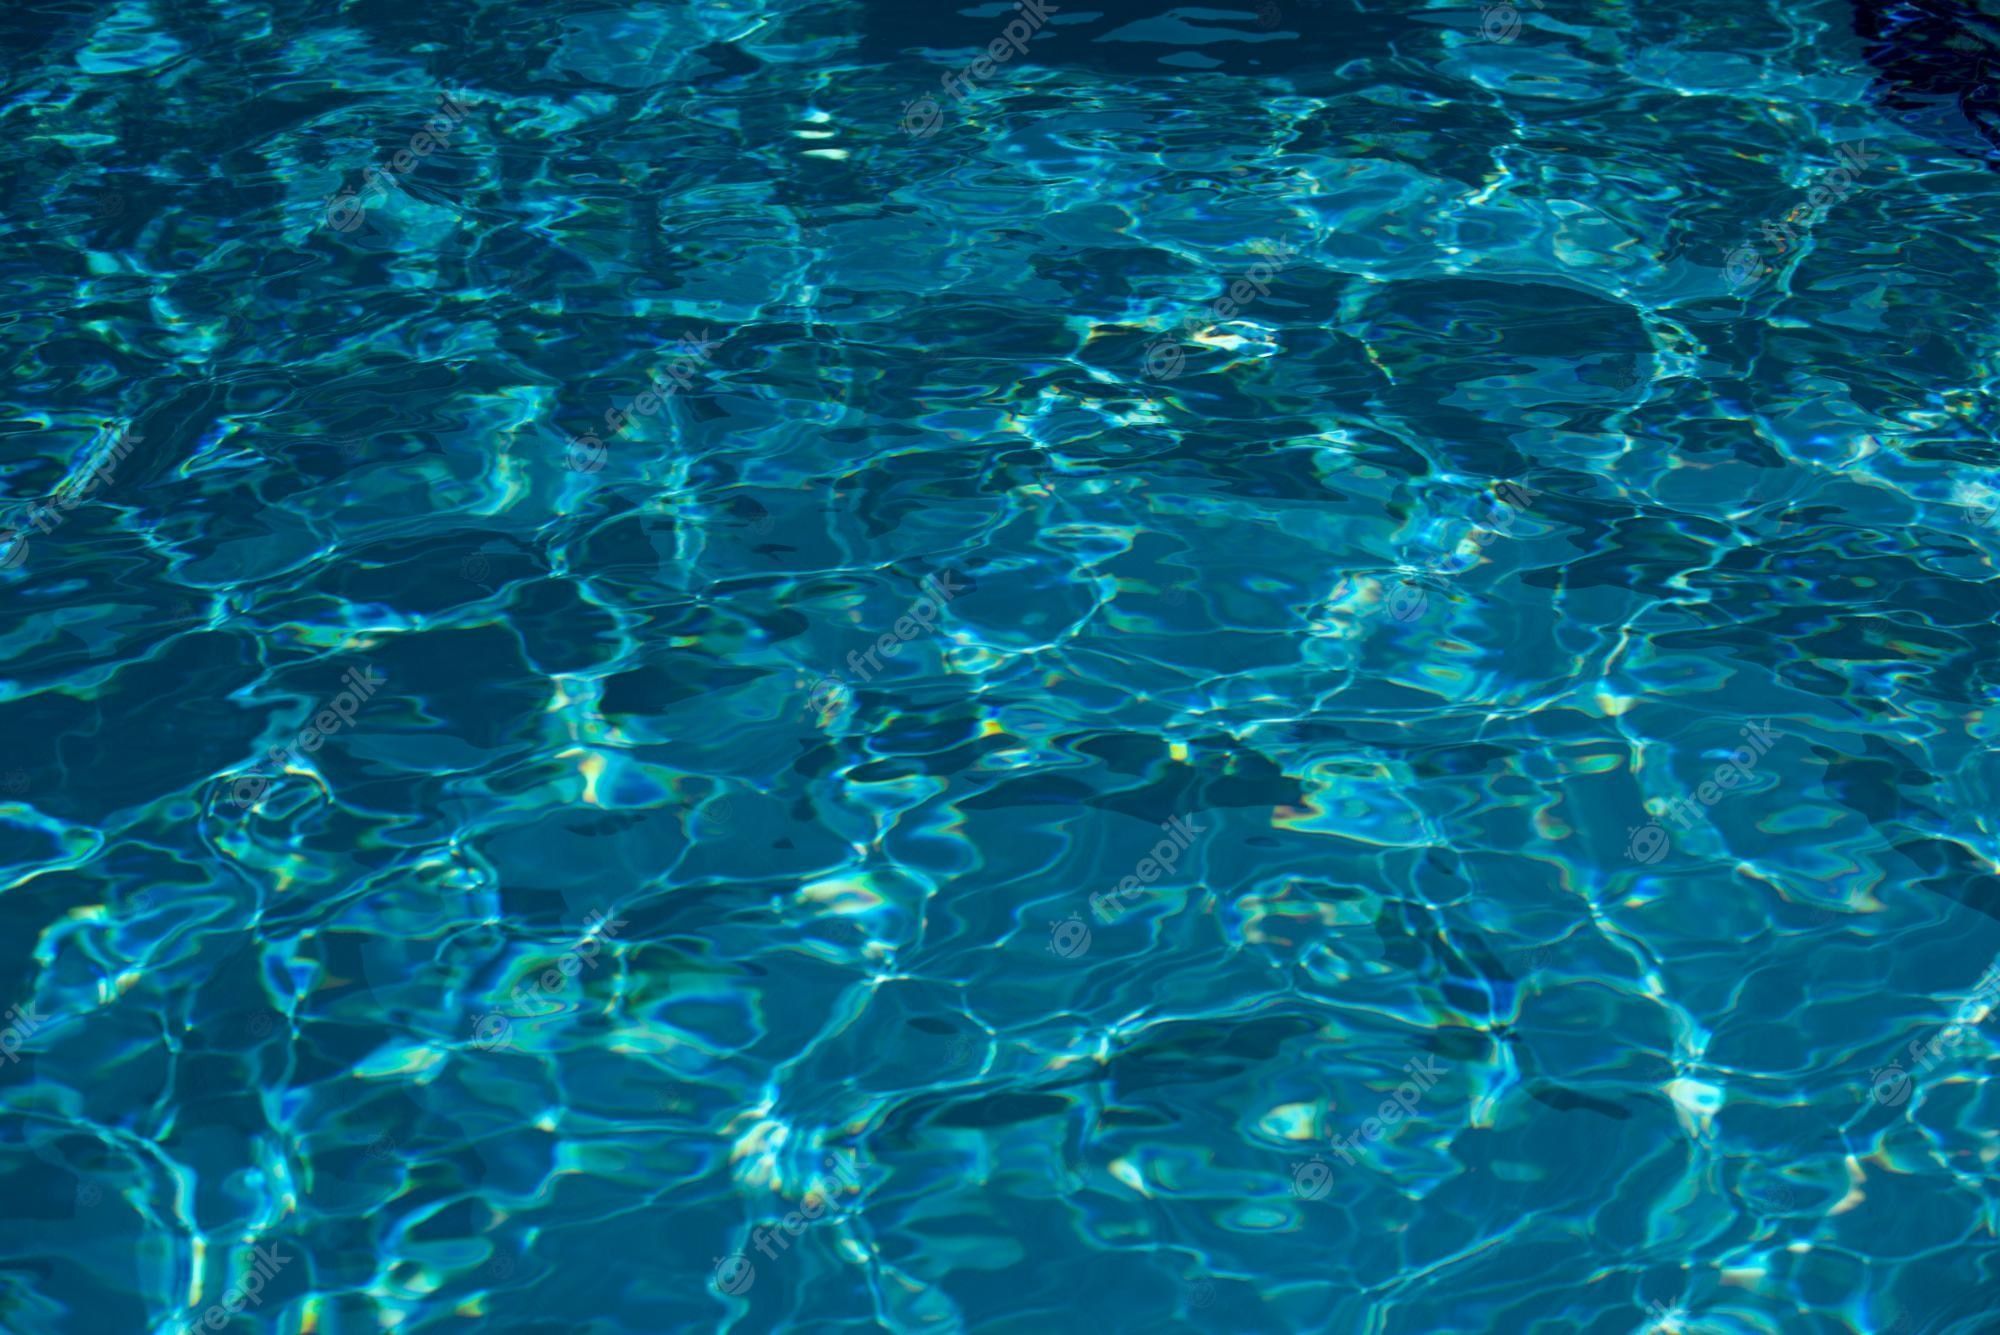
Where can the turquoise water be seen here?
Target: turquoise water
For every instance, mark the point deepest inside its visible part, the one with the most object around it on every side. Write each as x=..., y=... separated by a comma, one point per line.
x=1269, y=666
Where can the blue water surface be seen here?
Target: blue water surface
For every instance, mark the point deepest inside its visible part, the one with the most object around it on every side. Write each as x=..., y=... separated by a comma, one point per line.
x=1238, y=666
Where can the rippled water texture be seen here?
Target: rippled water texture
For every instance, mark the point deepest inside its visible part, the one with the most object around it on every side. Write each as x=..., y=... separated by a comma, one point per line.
x=1253, y=666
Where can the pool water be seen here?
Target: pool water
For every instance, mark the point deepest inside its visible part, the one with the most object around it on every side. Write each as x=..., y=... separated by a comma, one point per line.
x=1252, y=666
